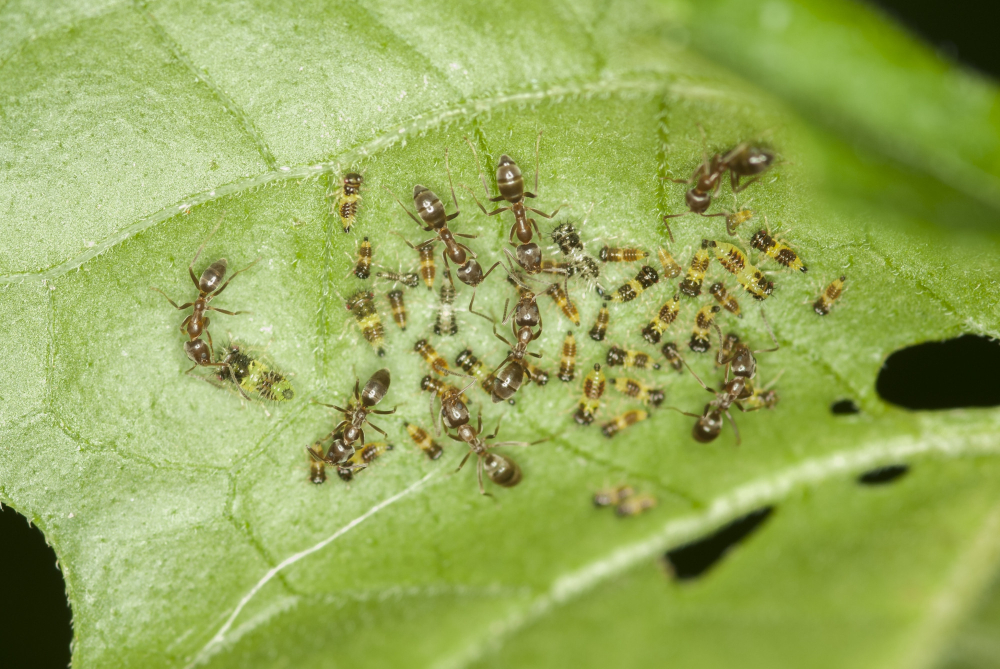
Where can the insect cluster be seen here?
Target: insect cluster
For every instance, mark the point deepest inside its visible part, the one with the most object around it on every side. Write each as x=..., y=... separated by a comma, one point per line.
x=711, y=288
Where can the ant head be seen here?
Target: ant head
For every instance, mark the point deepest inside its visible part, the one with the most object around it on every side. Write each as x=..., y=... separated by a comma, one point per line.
x=743, y=363
x=759, y=159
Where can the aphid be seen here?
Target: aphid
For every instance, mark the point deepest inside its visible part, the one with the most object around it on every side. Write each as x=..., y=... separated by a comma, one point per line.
x=825, y=301
x=736, y=219
x=535, y=374
x=566, y=237
x=567, y=362
x=619, y=357
x=345, y=198
x=431, y=448
x=625, y=420
x=590, y=403
x=600, y=329
x=427, y=266
x=362, y=457
x=639, y=390
x=611, y=254
x=363, y=267
x=735, y=262
x=703, y=322
x=691, y=285
x=510, y=183
x=255, y=376
x=635, y=505
x=356, y=417
x=445, y=323
x=317, y=468
x=777, y=250
x=627, y=292
x=759, y=399
x=500, y=469
x=612, y=496
x=671, y=269
x=408, y=279
x=669, y=351
x=470, y=364
x=664, y=317
x=723, y=297
x=431, y=357
x=398, y=307
x=362, y=305
x=561, y=297
x=210, y=285
x=434, y=385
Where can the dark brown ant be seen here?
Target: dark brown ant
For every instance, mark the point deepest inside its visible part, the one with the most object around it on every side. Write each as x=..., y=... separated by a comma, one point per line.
x=510, y=183
x=356, y=416
x=434, y=219
x=500, y=469
x=747, y=160
x=525, y=312
x=510, y=372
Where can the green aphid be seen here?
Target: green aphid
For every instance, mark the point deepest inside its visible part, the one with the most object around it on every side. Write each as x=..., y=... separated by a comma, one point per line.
x=256, y=377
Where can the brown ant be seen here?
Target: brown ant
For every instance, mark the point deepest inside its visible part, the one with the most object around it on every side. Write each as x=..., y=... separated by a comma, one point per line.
x=500, y=469
x=510, y=372
x=434, y=219
x=356, y=416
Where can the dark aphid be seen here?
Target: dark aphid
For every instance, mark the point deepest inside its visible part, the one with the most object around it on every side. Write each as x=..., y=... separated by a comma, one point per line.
x=408, y=279
x=824, y=303
x=536, y=375
x=727, y=301
x=671, y=269
x=431, y=357
x=623, y=421
x=670, y=352
x=590, y=403
x=600, y=329
x=635, y=505
x=566, y=237
x=611, y=254
x=703, y=322
x=777, y=250
x=567, y=362
x=398, y=307
x=431, y=448
x=445, y=323
x=345, y=198
x=362, y=457
x=561, y=297
x=356, y=417
x=691, y=285
x=470, y=364
x=619, y=357
x=363, y=267
x=612, y=496
x=362, y=305
x=317, y=468
x=500, y=469
x=440, y=388
x=646, y=277
x=664, y=317
x=639, y=390
x=210, y=285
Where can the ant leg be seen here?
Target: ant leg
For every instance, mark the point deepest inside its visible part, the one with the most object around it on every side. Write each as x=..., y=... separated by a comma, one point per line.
x=479, y=167
x=200, y=249
x=228, y=313
x=223, y=287
x=447, y=166
x=462, y=463
x=670, y=233
x=495, y=432
x=479, y=469
x=538, y=145
x=736, y=430
x=735, y=181
x=698, y=379
x=534, y=355
x=501, y=337
x=185, y=323
x=357, y=389
x=408, y=212
x=506, y=316
x=666, y=216
x=686, y=413
x=180, y=307
x=383, y=412
x=770, y=332
x=377, y=429
x=543, y=214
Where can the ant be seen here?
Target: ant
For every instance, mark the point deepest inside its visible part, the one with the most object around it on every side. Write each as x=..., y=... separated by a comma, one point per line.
x=500, y=469
x=525, y=312
x=434, y=219
x=510, y=373
x=356, y=416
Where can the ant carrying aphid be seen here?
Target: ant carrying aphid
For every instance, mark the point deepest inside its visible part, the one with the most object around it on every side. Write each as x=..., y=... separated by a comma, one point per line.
x=210, y=285
x=500, y=469
x=434, y=219
x=356, y=416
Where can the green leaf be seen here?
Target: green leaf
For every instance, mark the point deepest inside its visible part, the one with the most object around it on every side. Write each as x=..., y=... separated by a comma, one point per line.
x=183, y=520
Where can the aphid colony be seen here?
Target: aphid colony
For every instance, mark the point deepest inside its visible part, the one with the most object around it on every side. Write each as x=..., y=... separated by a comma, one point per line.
x=685, y=309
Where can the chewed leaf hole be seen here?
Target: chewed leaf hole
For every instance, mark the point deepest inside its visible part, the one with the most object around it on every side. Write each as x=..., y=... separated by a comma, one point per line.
x=692, y=560
x=950, y=374
x=883, y=475
x=35, y=619
x=844, y=407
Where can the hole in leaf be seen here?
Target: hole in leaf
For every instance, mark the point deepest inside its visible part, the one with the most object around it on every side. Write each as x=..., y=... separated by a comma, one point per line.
x=950, y=374
x=35, y=619
x=844, y=407
x=883, y=475
x=694, y=559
